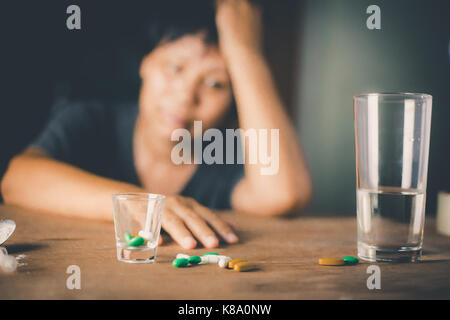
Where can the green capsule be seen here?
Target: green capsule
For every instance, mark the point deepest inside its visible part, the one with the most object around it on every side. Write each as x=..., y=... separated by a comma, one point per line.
x=180, y=263
x=136, y=242
x=350, y=260
x=210, y=254
x=127, y=236
x=195, y=260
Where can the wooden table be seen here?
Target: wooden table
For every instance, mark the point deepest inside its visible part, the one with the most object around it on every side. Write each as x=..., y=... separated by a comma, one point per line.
x=287, y=250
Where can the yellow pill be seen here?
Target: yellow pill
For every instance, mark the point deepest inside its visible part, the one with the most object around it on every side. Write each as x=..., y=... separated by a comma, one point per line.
x=233, y=262
x=244, y=266
x=331, y=261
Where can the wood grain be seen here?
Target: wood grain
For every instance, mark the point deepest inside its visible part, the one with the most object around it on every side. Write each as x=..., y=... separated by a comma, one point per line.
x=286, y=250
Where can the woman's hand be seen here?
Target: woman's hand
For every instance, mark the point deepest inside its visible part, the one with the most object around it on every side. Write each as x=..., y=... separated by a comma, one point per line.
x=239, y=25
x=183, y=218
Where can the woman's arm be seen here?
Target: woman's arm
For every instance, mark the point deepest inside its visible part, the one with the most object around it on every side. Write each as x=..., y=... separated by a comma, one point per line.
x=259, y=107
x=35, y=181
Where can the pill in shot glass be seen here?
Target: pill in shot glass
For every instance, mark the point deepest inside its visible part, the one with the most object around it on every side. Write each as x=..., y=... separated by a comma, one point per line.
x=137, y=224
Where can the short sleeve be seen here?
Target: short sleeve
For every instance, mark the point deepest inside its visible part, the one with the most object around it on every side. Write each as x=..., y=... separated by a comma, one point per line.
x=73, y=131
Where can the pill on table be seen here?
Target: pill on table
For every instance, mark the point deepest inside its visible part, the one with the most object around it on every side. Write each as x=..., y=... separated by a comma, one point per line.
x=331, y=261
x=350, y=260
x=194, y=260
x=209, y=259
x=127, y=236
x=210, y=254
x=244, y=266
x=136, y=242
x=145, y=234
x=233, y=262
x=8, y=263
x=182, y=256
x=223, y=262
x=221, y=257
x=3, y=251
x=180, y=263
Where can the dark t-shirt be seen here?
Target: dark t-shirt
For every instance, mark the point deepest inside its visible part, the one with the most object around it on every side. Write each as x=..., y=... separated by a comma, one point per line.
x=98, y=138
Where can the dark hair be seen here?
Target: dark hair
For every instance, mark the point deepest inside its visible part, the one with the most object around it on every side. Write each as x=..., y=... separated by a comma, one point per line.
x=175, y=19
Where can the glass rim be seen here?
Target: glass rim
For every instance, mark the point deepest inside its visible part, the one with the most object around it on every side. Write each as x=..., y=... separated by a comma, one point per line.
x=138, y=196
x=415, y=95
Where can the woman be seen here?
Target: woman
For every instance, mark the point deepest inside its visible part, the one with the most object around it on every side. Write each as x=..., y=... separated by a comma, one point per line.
x=188, y=76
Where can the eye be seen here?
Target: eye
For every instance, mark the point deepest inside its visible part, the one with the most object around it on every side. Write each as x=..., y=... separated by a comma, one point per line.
x=174, y=68
x=212, y=83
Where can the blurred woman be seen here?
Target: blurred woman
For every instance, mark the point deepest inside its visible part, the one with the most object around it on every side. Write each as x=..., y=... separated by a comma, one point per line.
x=195, y=72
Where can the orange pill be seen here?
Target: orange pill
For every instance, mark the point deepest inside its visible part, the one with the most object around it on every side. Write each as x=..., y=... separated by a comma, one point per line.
x=244, y=266
x=233, y=262
x=331, y=261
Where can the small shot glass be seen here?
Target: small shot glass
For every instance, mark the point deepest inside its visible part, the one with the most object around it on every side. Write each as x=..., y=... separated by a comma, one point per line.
x=137, y=224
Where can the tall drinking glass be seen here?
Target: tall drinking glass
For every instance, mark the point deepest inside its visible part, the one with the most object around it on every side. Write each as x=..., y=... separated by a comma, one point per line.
x=137, y=224
x=392, y=136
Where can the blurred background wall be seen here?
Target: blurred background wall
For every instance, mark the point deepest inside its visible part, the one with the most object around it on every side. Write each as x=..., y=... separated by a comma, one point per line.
x=340, y=57
x=321, y=54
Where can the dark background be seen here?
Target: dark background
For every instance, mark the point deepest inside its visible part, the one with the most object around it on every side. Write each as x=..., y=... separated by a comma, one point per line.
x=321, y=54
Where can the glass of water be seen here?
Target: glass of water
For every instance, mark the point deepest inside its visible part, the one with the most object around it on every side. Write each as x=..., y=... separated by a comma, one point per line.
x=137, y=224
x=392, y=136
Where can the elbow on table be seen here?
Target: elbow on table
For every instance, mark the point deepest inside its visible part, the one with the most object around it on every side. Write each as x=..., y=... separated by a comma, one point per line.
x=293, y=202
x=283, y=202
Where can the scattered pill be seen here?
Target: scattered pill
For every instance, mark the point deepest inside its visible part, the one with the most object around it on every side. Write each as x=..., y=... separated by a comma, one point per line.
x=8, y=263
x=331, y=261
x=223, y=262
x=210, y=254
x=136, y=242
x=244, y=266
x=233, y=262
x=145, y=234
x=180, y=263
x=239, y=265
x=210, y=259
x=194, y=260
x=182, y=256
x=224, y=258
x=350, y=260
x=127, y=237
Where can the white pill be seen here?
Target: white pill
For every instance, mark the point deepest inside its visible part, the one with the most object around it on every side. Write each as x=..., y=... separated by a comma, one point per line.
x=8, y=263
x=146, y=235
x=223, y=261
x=209, y=259
x=213, y=259
x=182, y=256
x=3, y=251
x=223, y=257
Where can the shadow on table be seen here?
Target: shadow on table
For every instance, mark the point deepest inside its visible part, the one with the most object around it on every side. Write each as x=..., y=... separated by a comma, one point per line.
x=435, y=261
x=23, y=247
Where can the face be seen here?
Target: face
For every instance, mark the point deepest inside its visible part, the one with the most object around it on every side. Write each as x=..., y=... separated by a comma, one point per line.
x=182, y=81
